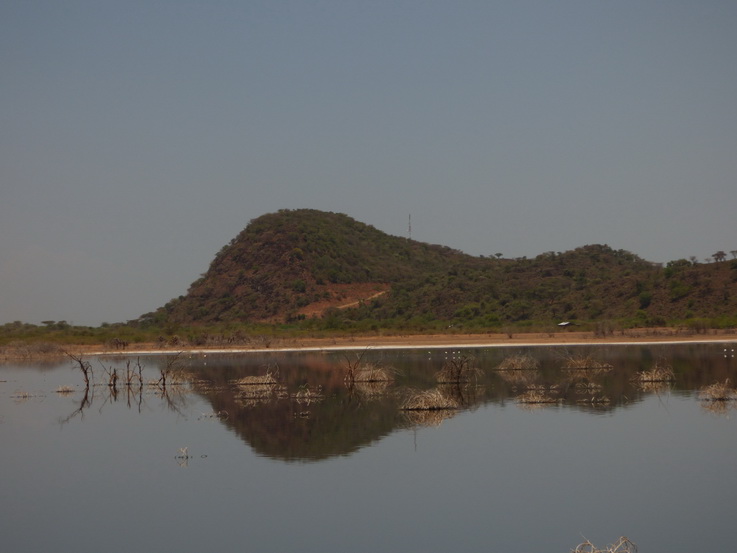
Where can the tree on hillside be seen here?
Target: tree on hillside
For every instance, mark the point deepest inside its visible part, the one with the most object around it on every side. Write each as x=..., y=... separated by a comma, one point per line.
x=719, y=256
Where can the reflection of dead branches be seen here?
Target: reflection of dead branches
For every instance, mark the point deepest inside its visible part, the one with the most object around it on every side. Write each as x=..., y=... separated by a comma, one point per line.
x=174, y=397
x=167, y=388
x=622, y=545
x=83, y=404
x=136, y=396
x=88, y=376
x=465, y=394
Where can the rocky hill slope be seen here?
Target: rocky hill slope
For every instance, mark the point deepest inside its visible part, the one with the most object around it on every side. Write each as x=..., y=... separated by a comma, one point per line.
x=297, y=265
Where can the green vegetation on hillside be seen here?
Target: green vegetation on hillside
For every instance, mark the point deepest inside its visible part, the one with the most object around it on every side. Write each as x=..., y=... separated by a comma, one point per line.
x=307, y=271
x=284, y=262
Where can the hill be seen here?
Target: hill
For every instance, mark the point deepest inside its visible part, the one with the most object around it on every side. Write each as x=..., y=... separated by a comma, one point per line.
x=331, y=270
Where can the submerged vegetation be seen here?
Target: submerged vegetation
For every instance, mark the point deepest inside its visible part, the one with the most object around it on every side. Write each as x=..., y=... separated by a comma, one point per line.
x=660, y=372
x=718, y=392
x=428, y=400
x=622, y=545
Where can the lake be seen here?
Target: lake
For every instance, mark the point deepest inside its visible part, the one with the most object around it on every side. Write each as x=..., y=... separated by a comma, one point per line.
x=281, y=452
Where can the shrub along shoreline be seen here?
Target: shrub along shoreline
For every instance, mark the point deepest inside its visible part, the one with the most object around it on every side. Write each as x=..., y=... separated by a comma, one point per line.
x=276, y=342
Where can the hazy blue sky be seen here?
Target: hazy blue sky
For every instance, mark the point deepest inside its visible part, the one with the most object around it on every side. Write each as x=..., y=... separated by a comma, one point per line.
x=139, y=137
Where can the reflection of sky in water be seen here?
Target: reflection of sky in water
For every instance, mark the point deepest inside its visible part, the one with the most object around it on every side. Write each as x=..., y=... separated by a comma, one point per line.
x=497, y=478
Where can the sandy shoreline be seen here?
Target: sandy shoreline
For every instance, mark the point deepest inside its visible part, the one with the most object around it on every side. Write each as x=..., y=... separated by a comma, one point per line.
x=436, y=341
x=266, y=344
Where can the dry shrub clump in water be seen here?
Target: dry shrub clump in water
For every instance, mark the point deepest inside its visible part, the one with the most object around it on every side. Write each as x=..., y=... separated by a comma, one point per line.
x=585, y=363
x=372, y=373
x=661, y=372
x=260, y=388
x=719, y=391
x=536, y=397
x=518, y=363
x=265, y=380
x=358, y=371
x=428, y=400
x=622, y=545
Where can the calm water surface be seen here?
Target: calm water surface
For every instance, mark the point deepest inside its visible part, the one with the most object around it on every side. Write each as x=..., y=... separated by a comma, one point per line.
x=306, y=463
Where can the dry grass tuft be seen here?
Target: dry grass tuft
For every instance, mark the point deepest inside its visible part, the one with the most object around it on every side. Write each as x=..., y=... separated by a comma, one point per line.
x=259, y=389
x=428, y=400
x=622, y=545
x=518, y=363
x=536, y=397
x=372, y=373
x=719, y=391
x=585, y=363
x=64, y=390
x=259, y=393
x=265, y=380
x=661, y=372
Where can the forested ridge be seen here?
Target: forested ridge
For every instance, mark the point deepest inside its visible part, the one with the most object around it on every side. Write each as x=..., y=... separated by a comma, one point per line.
x=325, y=269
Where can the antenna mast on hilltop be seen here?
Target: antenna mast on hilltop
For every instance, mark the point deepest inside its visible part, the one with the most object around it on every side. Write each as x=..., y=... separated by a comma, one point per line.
x=410, y=226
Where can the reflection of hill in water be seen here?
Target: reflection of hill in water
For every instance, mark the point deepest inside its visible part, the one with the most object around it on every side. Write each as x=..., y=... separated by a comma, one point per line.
x=311, y=415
